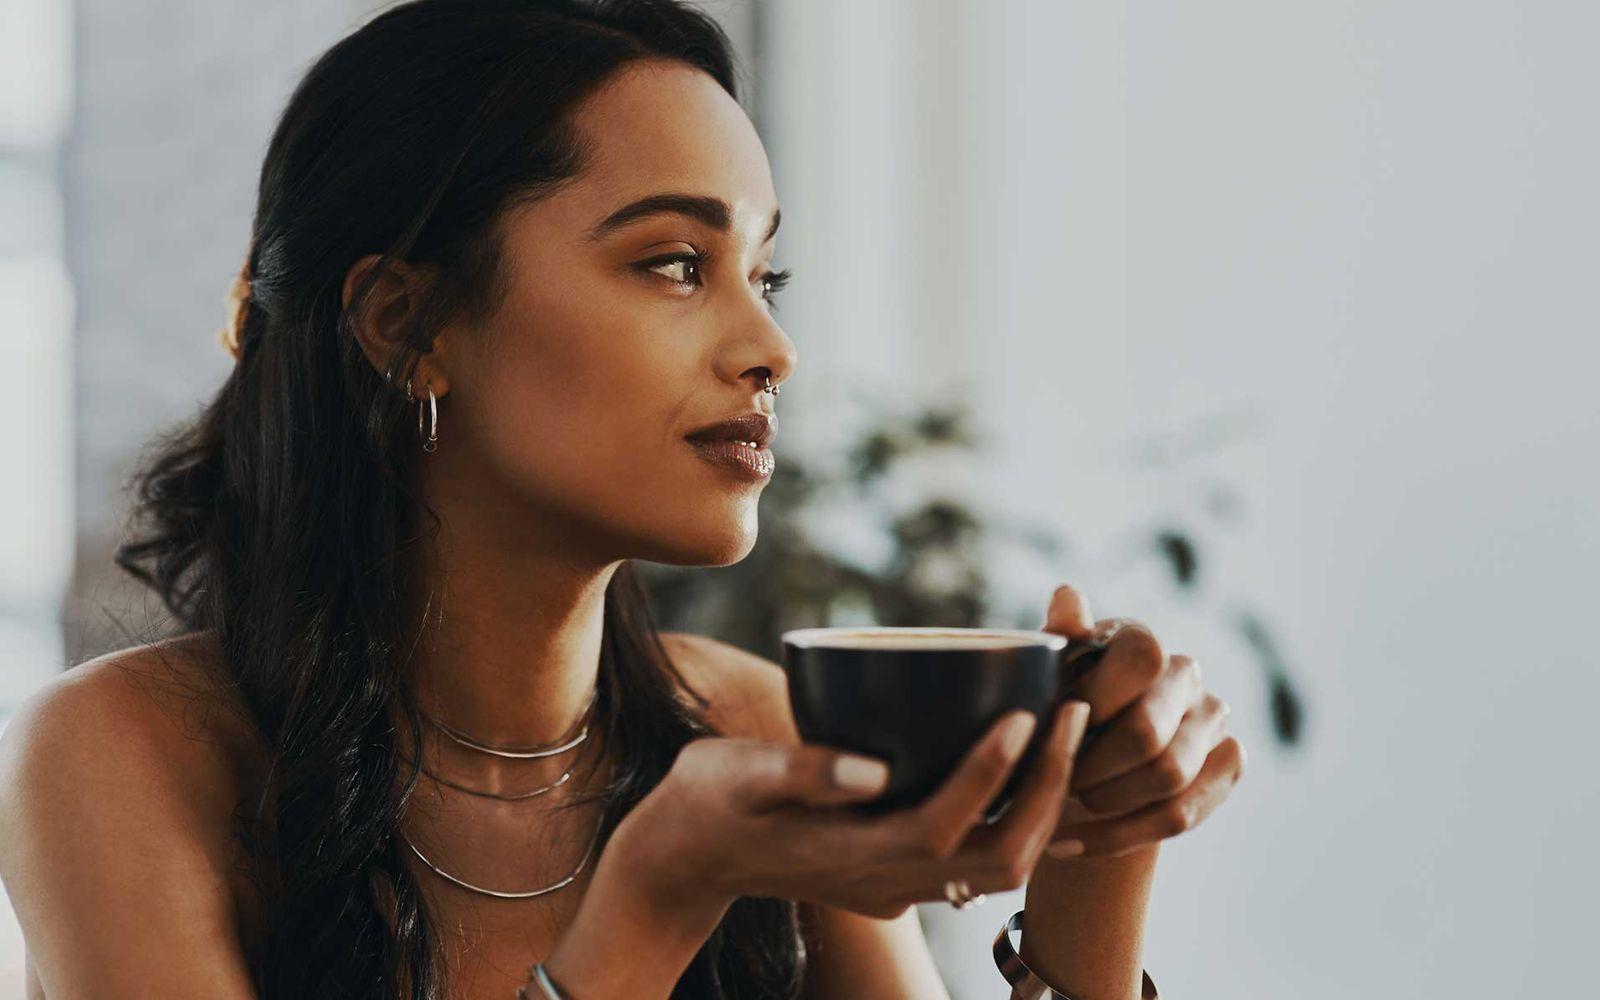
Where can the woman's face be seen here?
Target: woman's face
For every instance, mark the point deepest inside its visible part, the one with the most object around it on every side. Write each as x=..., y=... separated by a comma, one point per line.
x=566, y=411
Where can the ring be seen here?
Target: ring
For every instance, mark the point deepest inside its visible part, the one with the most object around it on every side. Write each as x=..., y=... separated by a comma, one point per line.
x=960, y=894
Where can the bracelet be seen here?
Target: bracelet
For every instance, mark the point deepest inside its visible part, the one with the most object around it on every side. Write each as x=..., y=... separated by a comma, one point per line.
x=541, y=979
x=1025, y=983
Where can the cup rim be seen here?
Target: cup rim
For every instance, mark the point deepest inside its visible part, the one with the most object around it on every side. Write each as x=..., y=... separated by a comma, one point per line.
x=805, y=638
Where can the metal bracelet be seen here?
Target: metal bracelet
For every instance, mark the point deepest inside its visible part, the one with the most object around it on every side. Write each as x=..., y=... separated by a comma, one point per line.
x=1025, y=983
x=541, y=979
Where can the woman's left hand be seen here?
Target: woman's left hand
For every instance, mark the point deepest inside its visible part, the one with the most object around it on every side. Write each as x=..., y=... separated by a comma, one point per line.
x=1164, y=760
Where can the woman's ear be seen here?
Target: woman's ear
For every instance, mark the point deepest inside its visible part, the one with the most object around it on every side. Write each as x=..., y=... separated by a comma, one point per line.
x=391, y=304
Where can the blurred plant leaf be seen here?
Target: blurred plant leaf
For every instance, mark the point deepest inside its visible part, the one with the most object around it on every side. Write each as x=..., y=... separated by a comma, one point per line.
x=1284, y=702
x=1180, y=555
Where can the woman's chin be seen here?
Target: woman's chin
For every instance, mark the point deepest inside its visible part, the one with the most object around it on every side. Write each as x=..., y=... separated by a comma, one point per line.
x=730, y=546
x=720, y=542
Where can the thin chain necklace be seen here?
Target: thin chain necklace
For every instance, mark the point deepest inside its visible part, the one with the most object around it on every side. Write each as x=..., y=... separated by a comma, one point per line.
x=485, y=793
x=512, y=895
x=518, y=753
x=540, y=750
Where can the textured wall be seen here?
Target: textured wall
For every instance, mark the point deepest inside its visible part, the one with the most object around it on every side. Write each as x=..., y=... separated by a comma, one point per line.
x=174, y=107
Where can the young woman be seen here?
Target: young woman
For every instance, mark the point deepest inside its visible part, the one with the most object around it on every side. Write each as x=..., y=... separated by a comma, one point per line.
x=510, y=270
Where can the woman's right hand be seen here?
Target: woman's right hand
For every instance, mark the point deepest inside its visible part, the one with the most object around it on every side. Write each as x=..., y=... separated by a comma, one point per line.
x=741, y=817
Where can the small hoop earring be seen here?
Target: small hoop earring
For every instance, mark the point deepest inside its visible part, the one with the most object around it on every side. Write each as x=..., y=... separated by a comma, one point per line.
x=428, y=430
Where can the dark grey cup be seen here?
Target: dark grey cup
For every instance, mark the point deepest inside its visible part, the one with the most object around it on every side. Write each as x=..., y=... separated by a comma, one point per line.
x=921, y=707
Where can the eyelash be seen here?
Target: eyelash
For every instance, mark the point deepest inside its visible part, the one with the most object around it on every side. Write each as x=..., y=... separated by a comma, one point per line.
x=775, y=280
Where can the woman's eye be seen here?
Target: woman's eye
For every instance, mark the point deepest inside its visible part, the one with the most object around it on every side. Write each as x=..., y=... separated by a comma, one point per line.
x=684, y=269
x=687, y=266
x=772, y=282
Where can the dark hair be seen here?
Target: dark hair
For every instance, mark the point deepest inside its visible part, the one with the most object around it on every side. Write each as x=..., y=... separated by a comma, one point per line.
x=283, y=517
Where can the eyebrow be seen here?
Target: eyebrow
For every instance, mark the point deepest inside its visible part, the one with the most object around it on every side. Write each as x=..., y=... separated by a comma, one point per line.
x=714, y=212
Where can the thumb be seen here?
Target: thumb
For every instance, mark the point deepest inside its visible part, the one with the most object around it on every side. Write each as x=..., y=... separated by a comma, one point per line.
x=809, y=774
x=1069, y=613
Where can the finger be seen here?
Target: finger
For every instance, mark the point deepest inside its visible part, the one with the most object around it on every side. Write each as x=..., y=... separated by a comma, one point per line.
x=1068, y=613
x=1173, y=770
x=1008, y=851
x=1142, y=730
x=764, y=776
x=1130, y=665
x=1000, y=857
x=1168, y=818
x=943, y=818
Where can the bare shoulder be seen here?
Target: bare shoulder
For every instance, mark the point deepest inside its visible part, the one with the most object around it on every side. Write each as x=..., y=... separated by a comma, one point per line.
x=165, y=700
x=749, y=694
x=153, y=724
x=118, y=785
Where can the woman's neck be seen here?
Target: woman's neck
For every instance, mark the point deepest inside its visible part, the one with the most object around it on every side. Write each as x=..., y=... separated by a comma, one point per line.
x=510, y=650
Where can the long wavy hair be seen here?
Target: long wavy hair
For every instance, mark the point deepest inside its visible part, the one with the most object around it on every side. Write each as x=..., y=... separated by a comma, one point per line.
x=282, y=518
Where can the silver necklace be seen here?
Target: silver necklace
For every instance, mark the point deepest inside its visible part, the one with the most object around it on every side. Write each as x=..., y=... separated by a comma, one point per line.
x=519, y=753
x=512, y=895
x=540, y=750
x=485, y=793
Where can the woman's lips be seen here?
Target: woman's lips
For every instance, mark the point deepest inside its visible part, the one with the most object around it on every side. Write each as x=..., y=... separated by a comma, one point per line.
x=736, y=456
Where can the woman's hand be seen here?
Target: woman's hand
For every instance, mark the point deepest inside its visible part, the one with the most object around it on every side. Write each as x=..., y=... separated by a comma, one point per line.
x=1163, y=761
x=738, y=817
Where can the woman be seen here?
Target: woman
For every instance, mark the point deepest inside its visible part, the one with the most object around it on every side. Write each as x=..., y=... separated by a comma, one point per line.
x=417, y=733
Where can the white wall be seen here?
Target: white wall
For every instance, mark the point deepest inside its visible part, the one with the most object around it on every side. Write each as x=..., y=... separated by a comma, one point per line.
x=36, y=317
x=1334, y=256
x=175, y=104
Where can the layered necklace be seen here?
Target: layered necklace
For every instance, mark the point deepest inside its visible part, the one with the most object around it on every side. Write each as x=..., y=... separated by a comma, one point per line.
x=558, y=746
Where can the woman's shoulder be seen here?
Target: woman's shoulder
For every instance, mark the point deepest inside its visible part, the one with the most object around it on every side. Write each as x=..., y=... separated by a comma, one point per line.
x=167, y=700
x=119, y=781
x=155, y=718
x=748, y=693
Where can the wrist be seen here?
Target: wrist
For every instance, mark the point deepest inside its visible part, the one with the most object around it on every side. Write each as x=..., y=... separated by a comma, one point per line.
x=629, y=912
x=665, y=880
x=1026, y=984
x=1085, y=922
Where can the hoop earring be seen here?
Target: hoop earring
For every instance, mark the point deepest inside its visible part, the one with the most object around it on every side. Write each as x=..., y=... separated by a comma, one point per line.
x=427, y=419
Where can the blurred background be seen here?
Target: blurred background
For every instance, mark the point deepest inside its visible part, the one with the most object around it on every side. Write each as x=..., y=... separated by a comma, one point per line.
x=1270, y=324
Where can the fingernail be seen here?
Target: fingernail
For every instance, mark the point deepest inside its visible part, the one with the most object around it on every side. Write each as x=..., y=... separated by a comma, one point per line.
x=1065, y=849
x=859, y=774
x=1016, y=732
x=1077, y=722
